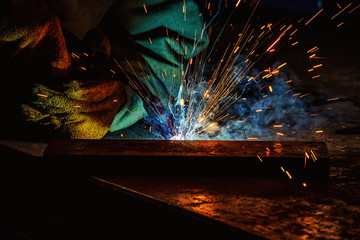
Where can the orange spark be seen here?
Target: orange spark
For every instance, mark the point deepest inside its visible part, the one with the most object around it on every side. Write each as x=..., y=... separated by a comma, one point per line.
x=288, y=174
x=282, y=65
x=314, y=16
x=341, y=11
x=354, y=8
x=313, y=49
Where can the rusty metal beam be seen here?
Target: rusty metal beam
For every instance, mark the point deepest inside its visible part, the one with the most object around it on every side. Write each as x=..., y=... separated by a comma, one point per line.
x=291, y=159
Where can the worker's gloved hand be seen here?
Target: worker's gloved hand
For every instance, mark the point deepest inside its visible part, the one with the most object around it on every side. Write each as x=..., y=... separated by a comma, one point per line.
x=82, y=109
x=85, y=104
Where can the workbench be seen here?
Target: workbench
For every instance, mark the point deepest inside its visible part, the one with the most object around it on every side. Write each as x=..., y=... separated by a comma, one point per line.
x=46, y=199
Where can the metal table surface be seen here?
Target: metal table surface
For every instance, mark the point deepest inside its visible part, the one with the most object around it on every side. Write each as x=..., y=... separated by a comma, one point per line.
x=272, y=208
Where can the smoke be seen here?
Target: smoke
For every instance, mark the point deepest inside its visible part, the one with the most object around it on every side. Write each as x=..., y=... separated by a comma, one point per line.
x=269, y=110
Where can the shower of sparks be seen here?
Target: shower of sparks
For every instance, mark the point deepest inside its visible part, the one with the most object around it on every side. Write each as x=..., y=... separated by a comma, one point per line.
x=200, y=107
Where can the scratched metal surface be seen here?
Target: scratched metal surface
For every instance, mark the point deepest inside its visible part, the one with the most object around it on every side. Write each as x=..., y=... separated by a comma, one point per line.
x=276, y=209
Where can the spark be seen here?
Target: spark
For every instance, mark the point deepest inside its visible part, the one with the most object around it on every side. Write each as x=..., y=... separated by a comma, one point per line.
x=287, y=173
x=340, y=24
x=290, y=90
x=313, y=155
x=304, y=95
x=332, y=99
x=282, y=65
x=279, y=38
x=237, y=4
x=354, y=8
x=260, y=158
x=304, y=184
x=74, y=55
x=341, y=11
x=295, y=31
x=278, y=126
x=313, y=49
x=307, y=23
x=145, y=8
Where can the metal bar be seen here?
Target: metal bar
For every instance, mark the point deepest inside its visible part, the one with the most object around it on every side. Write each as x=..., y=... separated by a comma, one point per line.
x=161, y=157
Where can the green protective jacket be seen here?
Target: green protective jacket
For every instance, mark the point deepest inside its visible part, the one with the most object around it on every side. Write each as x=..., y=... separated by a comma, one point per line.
x=151, y=39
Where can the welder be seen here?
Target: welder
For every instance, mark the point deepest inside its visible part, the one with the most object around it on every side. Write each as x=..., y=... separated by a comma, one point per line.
x=57, y=62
